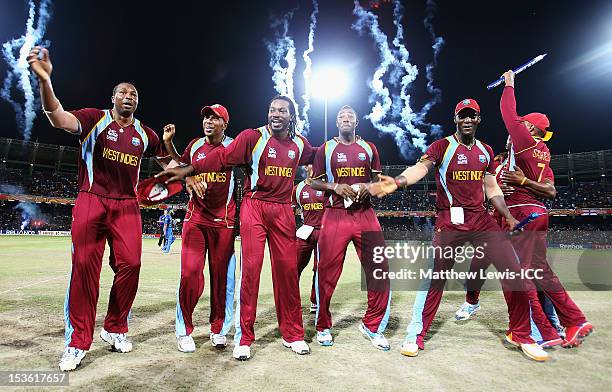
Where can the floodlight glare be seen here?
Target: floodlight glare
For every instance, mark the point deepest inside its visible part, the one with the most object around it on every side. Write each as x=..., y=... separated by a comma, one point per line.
x=329, y=83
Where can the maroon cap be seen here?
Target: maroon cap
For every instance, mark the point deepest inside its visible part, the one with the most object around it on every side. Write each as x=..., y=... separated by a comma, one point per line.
x=467, y=103
x=216, y=109
x=540, y=121
x=155, y=190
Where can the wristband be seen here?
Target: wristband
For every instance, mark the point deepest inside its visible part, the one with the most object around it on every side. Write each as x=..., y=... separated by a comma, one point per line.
x=523, y=181
x=399, y=182
x=335, y=187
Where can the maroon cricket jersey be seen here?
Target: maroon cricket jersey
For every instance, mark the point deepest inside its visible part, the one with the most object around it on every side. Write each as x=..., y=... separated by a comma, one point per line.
x=312, y=204
x=346, y=164
x=460, y=172
x=110, y=155
x=271, y=163
x=527, y=152
x=218, y=207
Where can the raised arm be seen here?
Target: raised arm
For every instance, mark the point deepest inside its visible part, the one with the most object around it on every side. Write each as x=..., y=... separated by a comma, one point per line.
x=521, y=137
x=169, y=131
x=40, y=64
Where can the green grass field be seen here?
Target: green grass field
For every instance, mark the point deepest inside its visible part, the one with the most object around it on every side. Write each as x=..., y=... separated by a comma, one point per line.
x=458, y=356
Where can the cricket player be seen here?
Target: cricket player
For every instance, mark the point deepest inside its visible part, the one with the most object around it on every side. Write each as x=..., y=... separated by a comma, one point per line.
x=311, y=204
x=528, y=171
x=464, y=175
x=347, y=163
x=271, y=154
x=112, y=144
x=168, y=226
x=208, y=228
x=162, y=238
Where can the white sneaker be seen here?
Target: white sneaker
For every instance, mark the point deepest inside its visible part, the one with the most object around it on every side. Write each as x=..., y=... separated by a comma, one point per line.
x=314, y=308
x=218, y=340
x=71, y=358
x=535, y=352
x=378, y=339
x=324, y=338
x=299, y=347
x=409, y=349
x=242, y=353
x=118, y=340
x=466, y=311
x=185, y=344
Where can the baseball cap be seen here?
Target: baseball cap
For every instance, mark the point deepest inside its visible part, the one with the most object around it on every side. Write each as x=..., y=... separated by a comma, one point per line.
x=155, y=190
x=218, y=110
x=467, y=103
x=541, y=121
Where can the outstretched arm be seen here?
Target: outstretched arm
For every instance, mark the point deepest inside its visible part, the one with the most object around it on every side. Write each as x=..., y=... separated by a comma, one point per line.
x=410, y=176
x=40, y=64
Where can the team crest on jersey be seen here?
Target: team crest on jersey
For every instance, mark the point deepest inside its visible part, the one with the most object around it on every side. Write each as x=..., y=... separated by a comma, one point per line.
x=112, y=135
x=341, y=157
x=271, y=152
x=461, y=159
x=319, y=193
x=291, y=154
x=200, y=156
x=305, y=195
x=482, y=158
x=135, y=141
x=361, y=156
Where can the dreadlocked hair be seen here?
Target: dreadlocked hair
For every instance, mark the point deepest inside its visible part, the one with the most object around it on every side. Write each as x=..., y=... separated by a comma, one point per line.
x=292, y=112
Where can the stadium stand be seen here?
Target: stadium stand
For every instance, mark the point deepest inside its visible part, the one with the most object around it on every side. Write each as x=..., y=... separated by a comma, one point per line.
x=44, y=176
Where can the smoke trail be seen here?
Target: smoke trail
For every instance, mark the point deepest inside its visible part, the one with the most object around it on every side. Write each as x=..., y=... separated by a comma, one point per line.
x=393, y=112
x=308, y=68
x=18, y=76
x=435, y=92
x=283, y=49
x=410, y=73
x=381, y=96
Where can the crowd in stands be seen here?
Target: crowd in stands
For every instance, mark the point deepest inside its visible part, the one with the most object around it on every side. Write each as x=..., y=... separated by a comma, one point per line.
x=583, y=195
x=58, y=184
x=407, y=200
x=64, y=185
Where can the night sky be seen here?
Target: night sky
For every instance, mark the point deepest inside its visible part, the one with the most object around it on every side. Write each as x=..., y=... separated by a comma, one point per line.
x=181, y=56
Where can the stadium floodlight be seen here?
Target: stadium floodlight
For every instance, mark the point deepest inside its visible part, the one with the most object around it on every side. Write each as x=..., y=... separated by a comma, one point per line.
x=328, y=83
